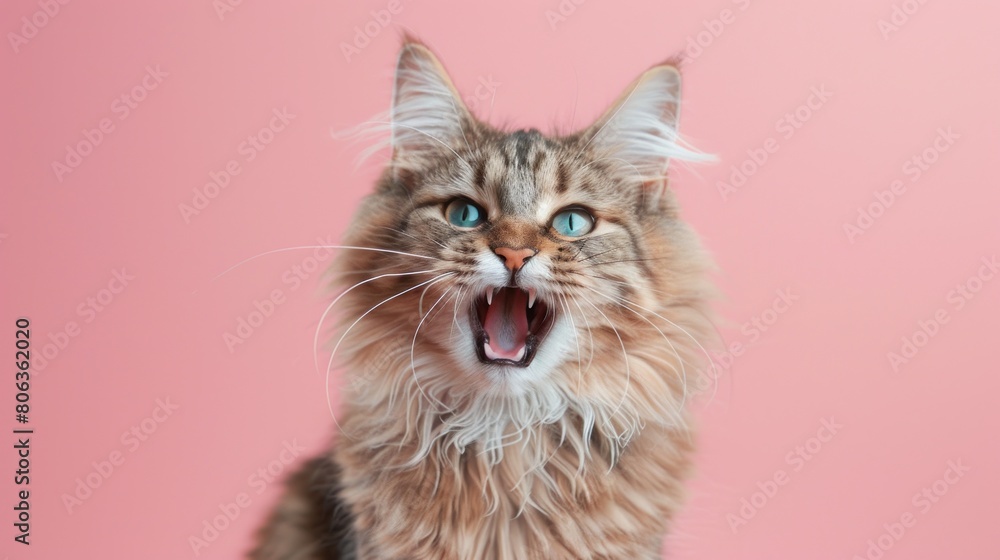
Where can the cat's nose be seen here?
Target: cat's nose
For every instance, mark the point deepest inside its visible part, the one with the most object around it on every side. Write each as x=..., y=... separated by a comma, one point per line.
x=514, y=259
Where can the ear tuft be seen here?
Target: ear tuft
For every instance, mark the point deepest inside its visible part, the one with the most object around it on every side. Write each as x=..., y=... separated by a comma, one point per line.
x=640, y=129
x=427, y=113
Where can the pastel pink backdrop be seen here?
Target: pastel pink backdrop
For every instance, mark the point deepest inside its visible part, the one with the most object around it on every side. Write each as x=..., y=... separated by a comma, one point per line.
x=823, y=358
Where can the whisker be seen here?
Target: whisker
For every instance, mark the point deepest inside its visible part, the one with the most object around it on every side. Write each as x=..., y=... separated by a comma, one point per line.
x=631, y=284
x=414, y=237
x=715, y=369
x=576, y=337
x=413, y=346
x=599, y=254
x=454, y=306
x=378, y=269
x=244, y=261
x=342, y=294
x=329, y=366
x=589, y=331
x=665, y=338
x=420, y=302
x=628, y=260
x=628, y=371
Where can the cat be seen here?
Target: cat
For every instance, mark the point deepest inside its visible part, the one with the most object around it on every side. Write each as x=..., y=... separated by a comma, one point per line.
x=522, y=319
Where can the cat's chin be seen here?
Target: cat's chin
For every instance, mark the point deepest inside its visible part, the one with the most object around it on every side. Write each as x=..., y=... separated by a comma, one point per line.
x=509, y=324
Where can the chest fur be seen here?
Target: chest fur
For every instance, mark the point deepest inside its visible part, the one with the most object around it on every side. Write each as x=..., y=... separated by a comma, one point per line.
x=464, y=505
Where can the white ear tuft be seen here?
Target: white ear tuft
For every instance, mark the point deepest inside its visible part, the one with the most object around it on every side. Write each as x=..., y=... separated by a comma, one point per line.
x=427, y=112
x=640, y=129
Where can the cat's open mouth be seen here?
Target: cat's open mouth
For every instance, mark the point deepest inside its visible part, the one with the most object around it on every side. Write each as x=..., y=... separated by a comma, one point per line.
x=508, y=324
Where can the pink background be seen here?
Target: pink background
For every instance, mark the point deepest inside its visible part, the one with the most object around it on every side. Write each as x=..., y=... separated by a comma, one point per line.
x=824, y=356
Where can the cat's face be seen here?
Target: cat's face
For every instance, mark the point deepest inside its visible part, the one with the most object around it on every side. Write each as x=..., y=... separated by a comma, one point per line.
x=518, y=259
x=534, y=236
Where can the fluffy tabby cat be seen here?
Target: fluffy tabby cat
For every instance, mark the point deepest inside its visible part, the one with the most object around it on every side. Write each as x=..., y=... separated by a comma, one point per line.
x=522, y=318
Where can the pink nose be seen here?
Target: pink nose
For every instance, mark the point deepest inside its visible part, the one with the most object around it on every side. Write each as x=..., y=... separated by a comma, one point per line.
x=514, y=258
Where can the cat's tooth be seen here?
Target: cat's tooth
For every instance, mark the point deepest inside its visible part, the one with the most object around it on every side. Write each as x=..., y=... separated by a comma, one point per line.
x=531, y=297
x=489, y=296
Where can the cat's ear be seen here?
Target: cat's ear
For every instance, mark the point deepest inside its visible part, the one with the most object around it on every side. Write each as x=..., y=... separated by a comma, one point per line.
x=427, y=115
x=639, y=131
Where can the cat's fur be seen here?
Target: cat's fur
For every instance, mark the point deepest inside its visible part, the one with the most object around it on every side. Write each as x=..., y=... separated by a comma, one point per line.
x=581, y=454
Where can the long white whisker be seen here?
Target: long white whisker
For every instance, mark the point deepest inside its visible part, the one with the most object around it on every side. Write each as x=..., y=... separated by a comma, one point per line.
x=576, y=337
x=628, y=372
x=665, y=338
x=244, y=261
x=454, y=308
x=414, y=237
x=632, y=284
x=675, y=413
x=589, y=331
x=342, y=294
x=715, y=369
x=420, y=302
x=329, y=366
x=413, y=347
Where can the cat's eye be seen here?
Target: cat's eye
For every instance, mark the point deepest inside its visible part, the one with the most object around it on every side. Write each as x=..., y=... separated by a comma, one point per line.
x=573, y=222
x=464, y=214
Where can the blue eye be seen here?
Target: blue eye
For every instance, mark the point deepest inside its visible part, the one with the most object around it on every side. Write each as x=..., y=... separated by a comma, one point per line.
x=573, y=222
x=464, y=214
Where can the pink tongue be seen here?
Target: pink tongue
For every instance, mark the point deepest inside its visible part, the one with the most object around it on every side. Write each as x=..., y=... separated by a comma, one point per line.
x=506, y=322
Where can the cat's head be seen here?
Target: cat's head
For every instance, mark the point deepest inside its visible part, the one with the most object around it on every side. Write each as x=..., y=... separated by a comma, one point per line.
x=517, y=263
